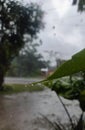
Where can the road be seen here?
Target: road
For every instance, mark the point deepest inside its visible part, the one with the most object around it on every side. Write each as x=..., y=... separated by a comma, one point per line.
x=27, y=111
x=10, y=80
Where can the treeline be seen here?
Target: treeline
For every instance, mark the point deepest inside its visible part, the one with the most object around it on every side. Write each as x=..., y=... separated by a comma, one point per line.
x=28, y=63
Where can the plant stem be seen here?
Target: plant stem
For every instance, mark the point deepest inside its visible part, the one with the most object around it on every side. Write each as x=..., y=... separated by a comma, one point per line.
x=70, y=119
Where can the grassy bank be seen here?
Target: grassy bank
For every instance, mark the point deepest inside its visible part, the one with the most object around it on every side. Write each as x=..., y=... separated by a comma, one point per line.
x=16, y=88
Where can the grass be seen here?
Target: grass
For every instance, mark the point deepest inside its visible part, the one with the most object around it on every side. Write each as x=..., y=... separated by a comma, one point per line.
x=17, y=88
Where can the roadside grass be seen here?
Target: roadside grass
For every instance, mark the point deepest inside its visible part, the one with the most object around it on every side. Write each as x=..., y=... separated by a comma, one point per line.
x=17, y=88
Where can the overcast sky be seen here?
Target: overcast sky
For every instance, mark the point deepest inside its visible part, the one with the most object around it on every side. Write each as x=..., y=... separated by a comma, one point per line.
x=64, y=28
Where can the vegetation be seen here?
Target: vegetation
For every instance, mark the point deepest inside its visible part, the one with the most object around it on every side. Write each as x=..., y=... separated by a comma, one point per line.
x=70, y=90
x=28, y=63
x=16, y=88
x=18, y=24
x=74, y=65
x=63, y=87
x=76, y=90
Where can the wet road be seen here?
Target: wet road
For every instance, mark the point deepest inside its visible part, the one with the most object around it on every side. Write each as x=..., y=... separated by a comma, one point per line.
x=23, y=111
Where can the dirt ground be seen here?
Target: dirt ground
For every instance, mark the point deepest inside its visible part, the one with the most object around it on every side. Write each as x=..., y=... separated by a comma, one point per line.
x=26, y=111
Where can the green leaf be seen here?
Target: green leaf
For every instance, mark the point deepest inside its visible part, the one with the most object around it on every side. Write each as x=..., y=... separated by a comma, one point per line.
x=74, y=65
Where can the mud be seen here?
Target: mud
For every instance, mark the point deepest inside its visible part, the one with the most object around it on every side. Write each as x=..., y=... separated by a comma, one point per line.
x=26, y=111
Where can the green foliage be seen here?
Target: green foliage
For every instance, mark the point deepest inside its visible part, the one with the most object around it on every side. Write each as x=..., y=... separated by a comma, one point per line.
x=82, y=100
x=48, y=83
x=66, y=89
x=17, y=88
x=18, y=20
x=74, y=89
x=18, y=24
x=28, y=63
x=76, y=64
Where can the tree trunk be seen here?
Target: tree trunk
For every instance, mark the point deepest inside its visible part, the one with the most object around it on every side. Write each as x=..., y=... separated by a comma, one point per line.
x=1, y=78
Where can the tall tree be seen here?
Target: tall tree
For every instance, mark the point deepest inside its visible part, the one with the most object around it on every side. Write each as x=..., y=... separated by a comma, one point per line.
x=18, y=24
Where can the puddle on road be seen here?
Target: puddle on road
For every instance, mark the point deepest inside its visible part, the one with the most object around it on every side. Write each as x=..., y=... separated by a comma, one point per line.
x=23, y=111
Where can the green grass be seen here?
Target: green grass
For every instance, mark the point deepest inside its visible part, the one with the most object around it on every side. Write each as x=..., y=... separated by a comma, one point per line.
x=17, y=88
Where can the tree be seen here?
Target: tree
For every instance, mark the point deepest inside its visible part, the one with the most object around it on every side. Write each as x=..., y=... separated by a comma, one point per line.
x=18, y=24
x=28, y=63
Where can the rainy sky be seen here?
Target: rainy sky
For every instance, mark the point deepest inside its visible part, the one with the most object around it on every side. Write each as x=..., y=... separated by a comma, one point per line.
x=64, y=32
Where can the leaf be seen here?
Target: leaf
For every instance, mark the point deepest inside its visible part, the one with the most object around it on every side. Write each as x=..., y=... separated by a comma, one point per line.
x=74, y=65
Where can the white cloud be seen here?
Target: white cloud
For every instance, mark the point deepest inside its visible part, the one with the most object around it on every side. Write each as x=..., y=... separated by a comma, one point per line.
x=61, y=6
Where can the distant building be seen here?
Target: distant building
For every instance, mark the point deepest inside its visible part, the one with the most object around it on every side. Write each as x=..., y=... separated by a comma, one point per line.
x=48, y=71
x=44, y=71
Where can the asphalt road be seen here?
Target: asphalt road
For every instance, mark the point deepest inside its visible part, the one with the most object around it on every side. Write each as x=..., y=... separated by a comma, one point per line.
x=10, y=80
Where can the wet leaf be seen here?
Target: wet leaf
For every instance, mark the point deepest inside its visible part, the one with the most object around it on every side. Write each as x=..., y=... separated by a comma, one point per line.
x=74, y=65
